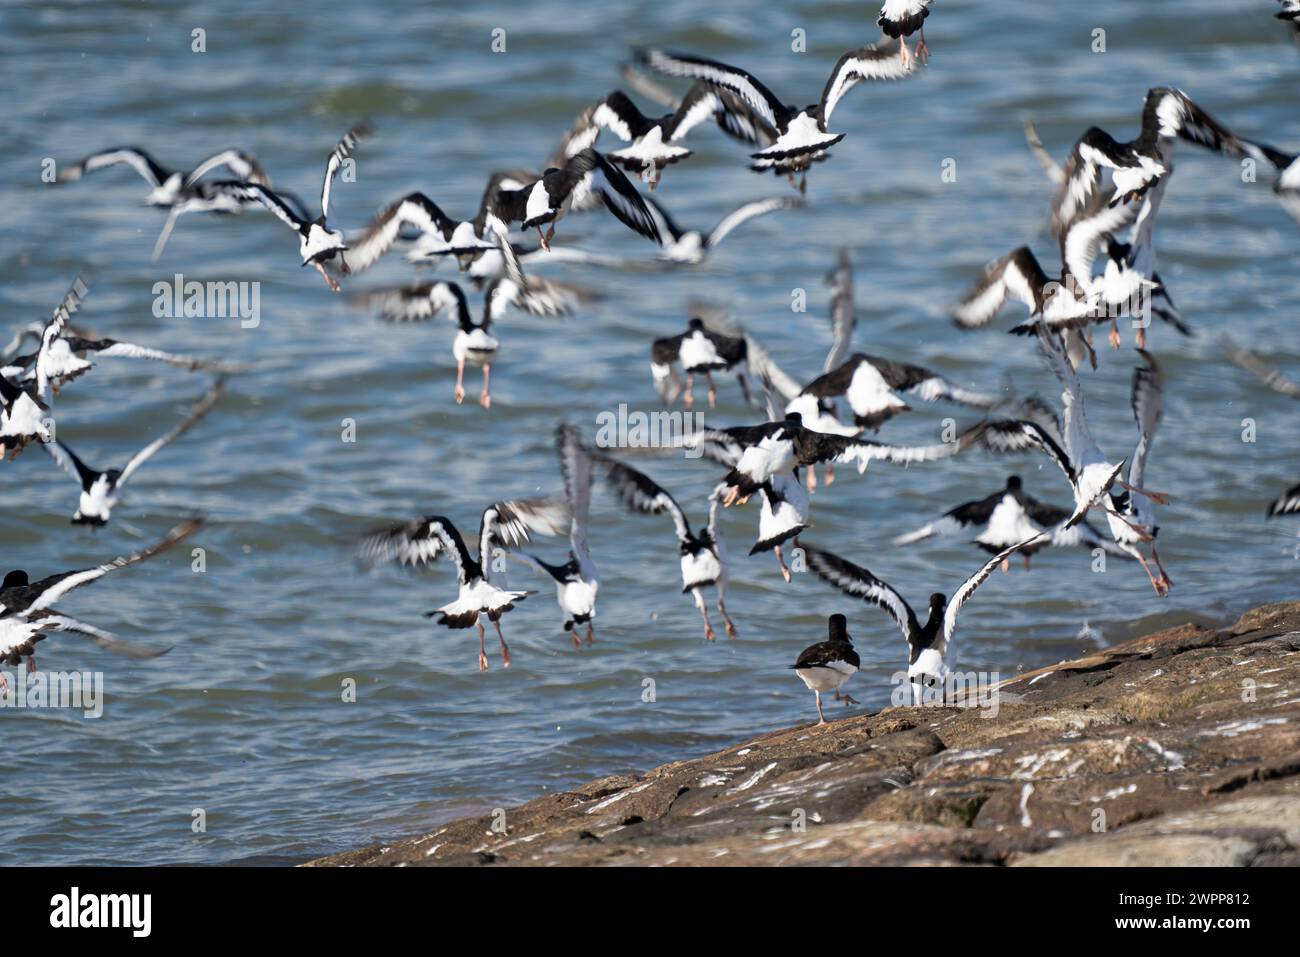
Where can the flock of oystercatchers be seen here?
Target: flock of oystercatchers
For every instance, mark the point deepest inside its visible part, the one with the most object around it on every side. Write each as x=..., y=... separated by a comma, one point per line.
x=1105, y=186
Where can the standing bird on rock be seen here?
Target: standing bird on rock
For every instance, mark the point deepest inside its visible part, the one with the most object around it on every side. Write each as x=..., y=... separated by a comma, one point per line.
x=826, y=665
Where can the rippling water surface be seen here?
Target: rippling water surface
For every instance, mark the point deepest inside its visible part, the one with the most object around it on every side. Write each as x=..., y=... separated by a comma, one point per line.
x=244, y=718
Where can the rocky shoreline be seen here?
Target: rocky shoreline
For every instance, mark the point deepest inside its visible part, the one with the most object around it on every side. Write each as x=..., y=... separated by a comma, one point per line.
x=1177, y=748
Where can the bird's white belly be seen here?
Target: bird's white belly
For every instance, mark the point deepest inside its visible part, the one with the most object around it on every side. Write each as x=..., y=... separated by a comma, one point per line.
x=539, y=207
x=816, y=419
x=868, y=393
x=803, y=134
x=765, y=459
x=577, y=599
x=476, y=347
x=98, y=501
x=700, y=569
x=15, y=632
x=698, y=353
x=25, y=419
x=319, y=241
x=826, y=677
x=1008, y=524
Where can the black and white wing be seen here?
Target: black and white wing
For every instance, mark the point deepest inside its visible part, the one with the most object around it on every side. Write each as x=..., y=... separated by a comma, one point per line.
x=876, y=62
x=1016, y=274
x=201, y=408
x=1266, y=373
x=1168, y=113
x=1095, y=151
x=639, y=493
x=1287, y=503
x=105, y=639
x=129, y=350
x=743, y=84
x=856, y=581
x=703, y=101
x=1045, y=159
x=956, y=521
x=26, y=600
x=510, y=524
x=284, y=210
x=133, y=156
x=335, y=162
x=1148, y=401
x=416, y=210
x=924, y=384
x=599, y=177
x=536, y=296
x=53, y=331
x=814, y=447
x=843, y=316
x=664, y=354
x=421, y=301
x=576, y=470
x=743, y=214
x=1019, y=435
x=418, y=542
x=71, y=463
x=960, y=596
x=244, y=166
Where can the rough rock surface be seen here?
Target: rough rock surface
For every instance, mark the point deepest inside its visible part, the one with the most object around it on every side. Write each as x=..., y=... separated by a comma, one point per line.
x=1180, y=748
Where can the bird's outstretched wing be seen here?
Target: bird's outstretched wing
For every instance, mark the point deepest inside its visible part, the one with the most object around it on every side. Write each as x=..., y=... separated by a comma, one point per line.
x=335, y=162
x=968, y=587
x=201, y=408
x=875, y=62
x=26, y=600
x=640, y=493
x=860, y=583
x=417, y=542
x=105, y=639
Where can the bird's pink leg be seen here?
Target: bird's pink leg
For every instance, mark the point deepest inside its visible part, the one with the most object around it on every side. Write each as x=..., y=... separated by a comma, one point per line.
x=460, y=381
x=591, y=634
x=546, y=243
x=1160, y=498
x=812, y=478
x=713, y=393
x=485, y=399
x=482, y=653
x=1164, y=580
x=688, y=397
x=731, y=626
x=1140, y=337
x=333, y=283
x=821, y=718
x=505, y=652
x=1114, y=334
x=709, y=633
x=922, y=50
x=785, y=572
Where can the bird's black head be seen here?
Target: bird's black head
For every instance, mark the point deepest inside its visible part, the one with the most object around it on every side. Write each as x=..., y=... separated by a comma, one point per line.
x=1013, y=483
x=838, y=627
x=15, y=579
x=695, y=323
x=794, y=418
x=938, y=601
